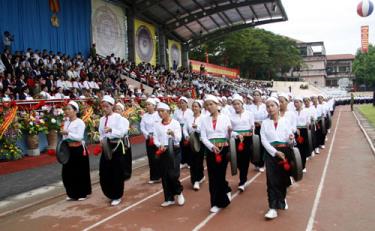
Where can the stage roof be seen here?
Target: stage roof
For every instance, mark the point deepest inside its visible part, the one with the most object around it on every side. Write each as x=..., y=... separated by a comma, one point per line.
x=197, y=21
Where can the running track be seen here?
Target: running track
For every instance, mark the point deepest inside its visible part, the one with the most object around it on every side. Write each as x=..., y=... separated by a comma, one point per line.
x=337, y=193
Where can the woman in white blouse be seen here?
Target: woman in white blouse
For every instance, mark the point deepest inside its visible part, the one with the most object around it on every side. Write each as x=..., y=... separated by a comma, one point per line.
x=277, y=137
x=260, y=114
x=215, y=132
x=303, y=123
x=313, y=118
x=167, y=129
x=192, y=128
x=243, y=128
x=112, y=172
x=149, y=120
x=75, y=173
x=181, y=115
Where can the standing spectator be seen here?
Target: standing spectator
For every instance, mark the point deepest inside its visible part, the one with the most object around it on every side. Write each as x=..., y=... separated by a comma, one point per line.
x=8, y=38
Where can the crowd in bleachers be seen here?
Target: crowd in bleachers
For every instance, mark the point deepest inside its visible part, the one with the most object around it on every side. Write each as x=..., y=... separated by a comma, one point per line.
x=42, y=74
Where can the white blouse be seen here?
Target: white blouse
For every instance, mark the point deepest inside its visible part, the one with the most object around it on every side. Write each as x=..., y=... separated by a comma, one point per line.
x=118, y=124
x=303, y=117
x=188, y=126
x=260, y=112
x=243, y=121
x=148, y=123
x=181, y=116
x=75, y=128
x=271, y=134
x=161, y=133
x=223, y=127
x=291, y=117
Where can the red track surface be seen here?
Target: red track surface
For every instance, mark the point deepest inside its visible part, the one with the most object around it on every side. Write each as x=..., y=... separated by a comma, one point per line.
x=337, y=193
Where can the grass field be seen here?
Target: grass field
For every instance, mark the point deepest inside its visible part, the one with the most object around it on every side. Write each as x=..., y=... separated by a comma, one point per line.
x=369, y=112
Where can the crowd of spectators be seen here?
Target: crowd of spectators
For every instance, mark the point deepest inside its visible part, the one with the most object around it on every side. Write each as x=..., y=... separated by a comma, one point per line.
x=42, y=74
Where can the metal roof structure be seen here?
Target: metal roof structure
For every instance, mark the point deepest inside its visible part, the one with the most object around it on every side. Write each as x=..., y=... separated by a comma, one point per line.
x=196, y=21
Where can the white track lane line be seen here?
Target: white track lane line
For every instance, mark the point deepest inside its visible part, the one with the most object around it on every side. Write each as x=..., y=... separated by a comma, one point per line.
x=129, y=207
x=310, y=224
x=212, y=215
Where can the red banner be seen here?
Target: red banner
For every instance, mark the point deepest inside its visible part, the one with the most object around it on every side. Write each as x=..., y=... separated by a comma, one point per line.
x=216, y=70
x=364, y=39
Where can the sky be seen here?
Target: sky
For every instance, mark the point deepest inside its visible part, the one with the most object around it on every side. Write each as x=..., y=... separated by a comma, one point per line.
x=335, y=22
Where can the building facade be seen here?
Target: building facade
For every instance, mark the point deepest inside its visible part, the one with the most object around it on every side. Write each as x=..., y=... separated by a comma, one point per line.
x=340, y=70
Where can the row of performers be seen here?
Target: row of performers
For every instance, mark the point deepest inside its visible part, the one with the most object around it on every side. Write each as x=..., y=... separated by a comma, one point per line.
x=278, y=127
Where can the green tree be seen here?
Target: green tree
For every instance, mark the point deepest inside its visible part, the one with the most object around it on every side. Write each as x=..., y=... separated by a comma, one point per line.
x=364, y=67
x=258, y=53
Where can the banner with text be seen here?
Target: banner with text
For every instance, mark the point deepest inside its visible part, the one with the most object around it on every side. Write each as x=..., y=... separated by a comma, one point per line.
x=364, y=39
x=215, y=70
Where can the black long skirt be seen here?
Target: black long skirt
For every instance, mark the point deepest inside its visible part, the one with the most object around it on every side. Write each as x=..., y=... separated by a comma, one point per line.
x=196, y=167
x=315, y=134
x=304, y=146
x=243, y=158
x=321, y=136
x=218, y=185
x=185, y=153
x=76, y=174
x=153, y=162
x=278, y=180
x=112, y=173
x=262, y=150
x=170, y=174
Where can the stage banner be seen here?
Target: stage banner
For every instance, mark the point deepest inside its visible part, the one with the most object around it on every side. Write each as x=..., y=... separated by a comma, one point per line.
x=364, y=39
x=174, y=53
x=215, y=70
x=145, y=43
x=109, y=31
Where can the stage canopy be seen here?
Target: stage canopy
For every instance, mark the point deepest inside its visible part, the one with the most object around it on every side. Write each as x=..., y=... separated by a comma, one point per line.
x=197, y=21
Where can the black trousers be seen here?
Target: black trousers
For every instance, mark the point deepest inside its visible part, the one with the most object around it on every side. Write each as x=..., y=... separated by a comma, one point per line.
x=76, y=174
x=262, y=150
x=112, y=173
x=153, y=162
x=278, y=180
x=170, y=174
x=243, y=158
x=196, y=167
x=218, y=185
x=304, y=146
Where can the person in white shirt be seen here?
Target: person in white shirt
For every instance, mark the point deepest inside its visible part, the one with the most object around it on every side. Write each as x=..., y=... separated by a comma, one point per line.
x=243, y=127
x=181, y=115
x=59, y=94
x=44, y=93
x=166, y=130
x=149, y=120
x=215, y=133
x=112, y=127
x=224, y=106
x=258, y=108
x=192, y=128
x=302, y=123
x=291, y=103
x=320, y=134
x=285, y=112
x=314, y=122
x=119, y=109
x=76, y=172
x=277, y=137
